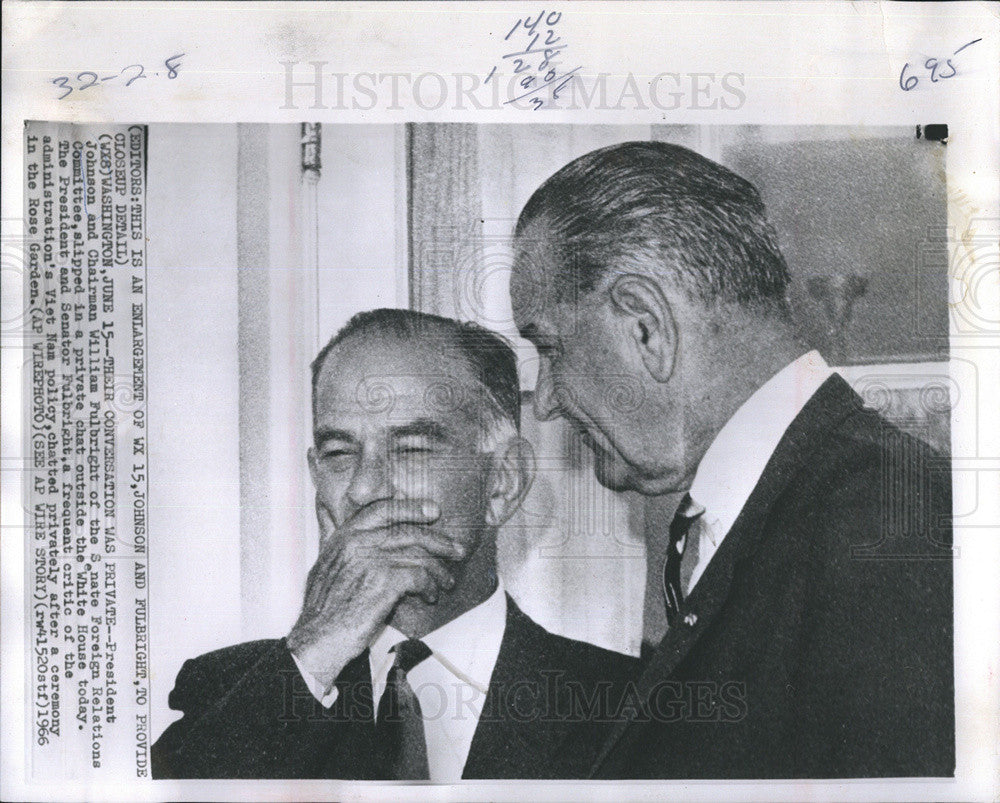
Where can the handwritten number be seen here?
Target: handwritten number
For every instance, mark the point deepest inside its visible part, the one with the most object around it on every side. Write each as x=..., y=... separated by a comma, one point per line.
x=137, y=76
x=172, y=68
x=86, y=86
x=562, y=84
x=910, y=82
x=534, y=83
x=63, y=82
x=529, y=27
x=935, y=67
x=933, y=64
x=547, y=58
x=87, y=78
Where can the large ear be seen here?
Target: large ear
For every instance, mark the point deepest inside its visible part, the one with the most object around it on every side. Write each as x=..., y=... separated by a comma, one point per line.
x=649, y=322
x=512, y=472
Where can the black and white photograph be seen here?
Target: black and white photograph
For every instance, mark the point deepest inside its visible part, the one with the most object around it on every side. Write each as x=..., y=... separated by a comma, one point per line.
x=370, y=448
x=704, y=444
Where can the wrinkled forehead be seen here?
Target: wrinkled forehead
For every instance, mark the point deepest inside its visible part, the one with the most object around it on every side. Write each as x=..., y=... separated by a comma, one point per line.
x=386, y=380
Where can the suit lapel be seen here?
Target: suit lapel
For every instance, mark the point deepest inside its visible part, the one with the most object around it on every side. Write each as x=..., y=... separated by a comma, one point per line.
x=696, y=614
x=831, y=403
x=503, y=742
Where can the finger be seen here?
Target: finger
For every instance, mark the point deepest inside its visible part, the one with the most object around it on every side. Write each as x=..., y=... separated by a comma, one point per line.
x=431, y=540
x=418, y=581
x=385, y=551
x=388, y=512
x=327, y=528
x=331, y=545
x=320, y=579
x=438, y=571
x=325, y=519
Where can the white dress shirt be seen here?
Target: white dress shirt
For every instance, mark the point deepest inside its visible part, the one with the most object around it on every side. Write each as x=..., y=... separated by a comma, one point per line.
x=451, y=684
x=734, y=462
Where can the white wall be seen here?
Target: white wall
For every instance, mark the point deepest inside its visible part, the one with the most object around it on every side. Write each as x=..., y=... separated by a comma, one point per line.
x=238, y=310
x=362, y=223
x=194, y=574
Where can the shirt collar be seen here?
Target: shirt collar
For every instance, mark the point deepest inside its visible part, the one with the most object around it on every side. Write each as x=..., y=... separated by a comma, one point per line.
x=467, y=646
x=734, y=462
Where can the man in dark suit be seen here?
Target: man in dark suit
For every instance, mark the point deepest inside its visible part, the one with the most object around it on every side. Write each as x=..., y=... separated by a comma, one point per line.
x=806, y=575
x=408, y=661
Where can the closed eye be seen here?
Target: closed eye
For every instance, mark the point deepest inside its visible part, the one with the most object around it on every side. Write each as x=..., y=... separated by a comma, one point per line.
x=413, y=449
x=337, y=452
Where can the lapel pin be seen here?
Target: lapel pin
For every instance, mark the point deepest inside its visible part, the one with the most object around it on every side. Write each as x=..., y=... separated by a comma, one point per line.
x=691, y=619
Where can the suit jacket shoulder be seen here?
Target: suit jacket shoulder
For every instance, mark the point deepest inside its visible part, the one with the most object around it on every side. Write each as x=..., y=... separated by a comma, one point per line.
x=546, y=692
x=825, y=615
x=208, y=677
x=869, y=514
x=581, y=659
x=243, y=706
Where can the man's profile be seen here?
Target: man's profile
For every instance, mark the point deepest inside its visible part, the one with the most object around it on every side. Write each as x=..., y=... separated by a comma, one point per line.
x=647, y=261
x=408, y=660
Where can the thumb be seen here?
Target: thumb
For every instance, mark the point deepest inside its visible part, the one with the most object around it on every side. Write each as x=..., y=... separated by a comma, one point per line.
x=325, y=520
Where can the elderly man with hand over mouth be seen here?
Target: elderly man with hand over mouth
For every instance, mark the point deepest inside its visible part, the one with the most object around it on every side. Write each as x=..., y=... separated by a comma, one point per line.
x=408, y=660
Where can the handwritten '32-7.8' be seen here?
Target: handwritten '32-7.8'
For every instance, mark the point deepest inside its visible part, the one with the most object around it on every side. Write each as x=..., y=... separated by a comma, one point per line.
x=87, y=79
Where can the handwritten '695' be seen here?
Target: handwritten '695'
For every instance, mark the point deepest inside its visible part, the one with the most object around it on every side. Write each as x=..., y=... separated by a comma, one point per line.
x=937, y=70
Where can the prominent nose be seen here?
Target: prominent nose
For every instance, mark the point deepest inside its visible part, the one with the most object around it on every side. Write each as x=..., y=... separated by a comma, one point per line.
x=372, y=480
x=545, y=403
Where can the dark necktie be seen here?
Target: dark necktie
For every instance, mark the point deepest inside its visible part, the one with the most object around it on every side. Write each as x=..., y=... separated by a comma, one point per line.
x=680, y=528
x=399, y=730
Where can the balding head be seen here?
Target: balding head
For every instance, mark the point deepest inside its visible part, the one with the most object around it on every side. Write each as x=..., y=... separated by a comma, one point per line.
x=659, y=209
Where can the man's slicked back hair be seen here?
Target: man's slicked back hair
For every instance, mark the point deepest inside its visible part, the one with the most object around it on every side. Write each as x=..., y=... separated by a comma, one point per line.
x=489, y=357
x=660, y=208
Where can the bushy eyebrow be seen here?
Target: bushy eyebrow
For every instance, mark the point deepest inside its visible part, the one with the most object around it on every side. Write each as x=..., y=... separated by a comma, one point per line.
x=324, y=434
x=421, y=427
